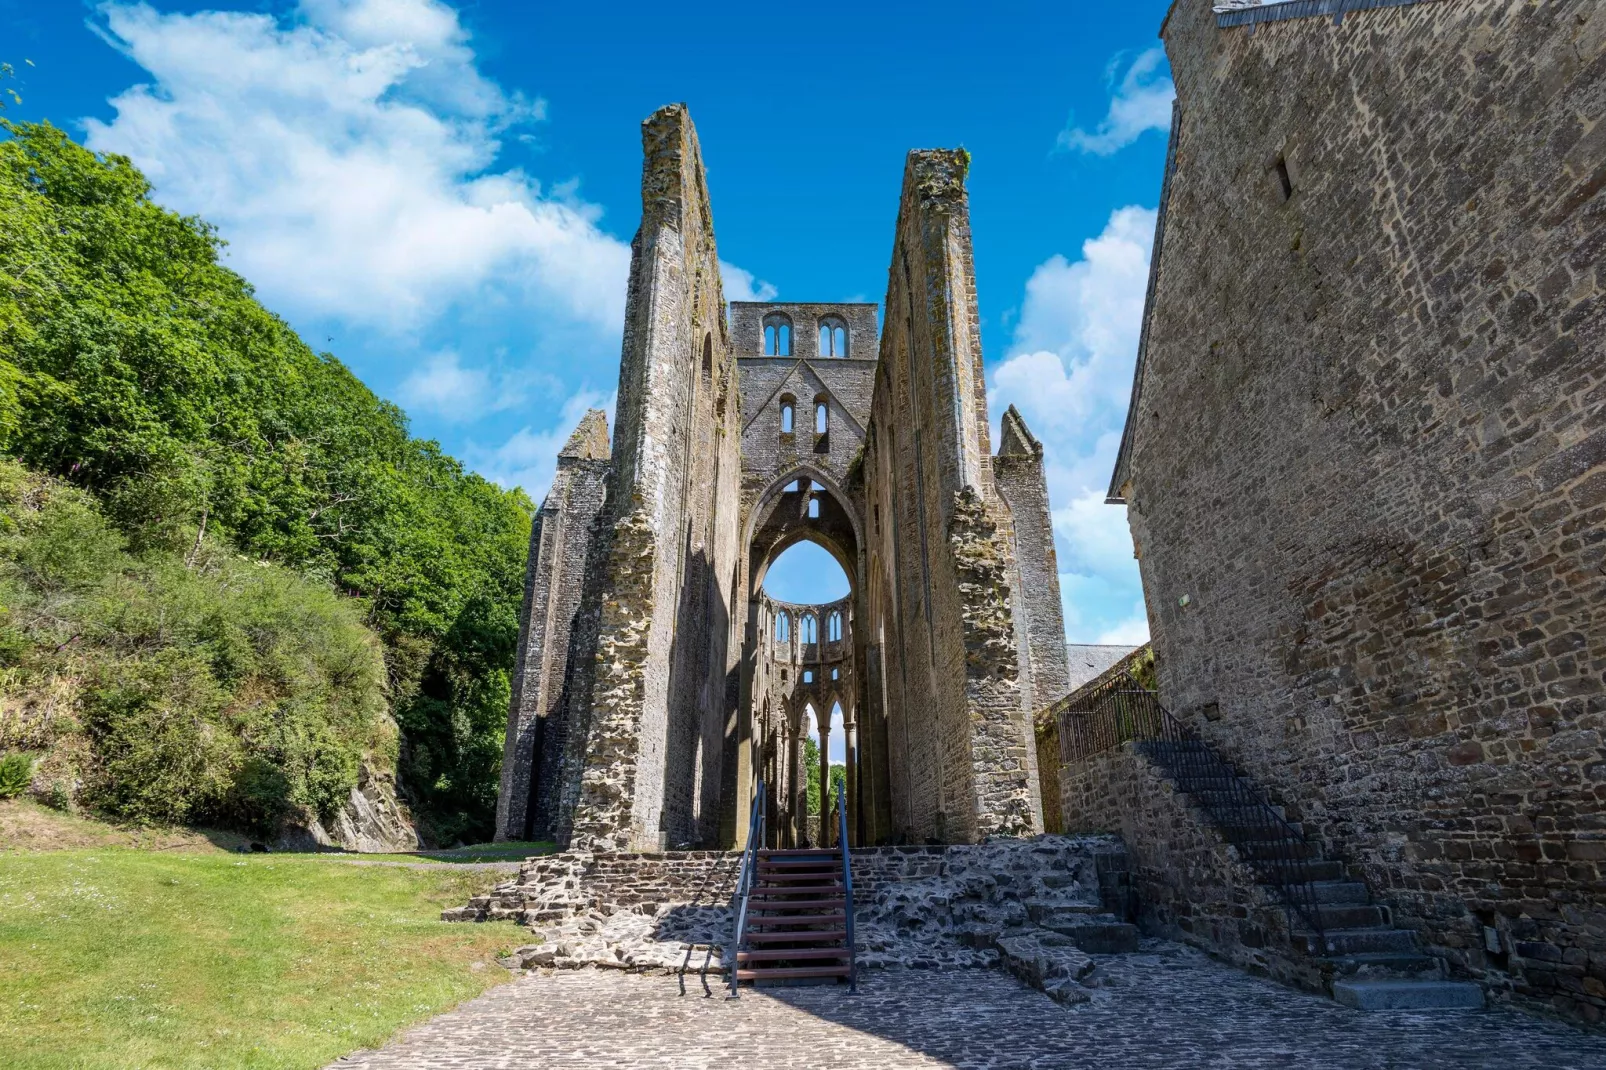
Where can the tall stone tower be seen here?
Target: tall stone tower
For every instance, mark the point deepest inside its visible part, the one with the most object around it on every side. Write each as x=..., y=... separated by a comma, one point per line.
x=658, y=686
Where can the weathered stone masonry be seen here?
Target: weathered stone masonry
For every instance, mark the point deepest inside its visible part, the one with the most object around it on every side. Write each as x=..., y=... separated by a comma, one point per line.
x=1365, y=464
x=652, y=692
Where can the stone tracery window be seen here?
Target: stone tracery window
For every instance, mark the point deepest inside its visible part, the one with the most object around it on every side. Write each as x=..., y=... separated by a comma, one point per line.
x=783, y=627
x=833, y=626
x=808, y=632
x=833, y=337
x=777, y=335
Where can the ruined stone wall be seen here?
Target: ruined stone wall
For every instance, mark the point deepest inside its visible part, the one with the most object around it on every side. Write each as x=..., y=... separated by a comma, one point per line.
x=1366, y=467
x=663, y=715
x=543, y=709
x=939, y=592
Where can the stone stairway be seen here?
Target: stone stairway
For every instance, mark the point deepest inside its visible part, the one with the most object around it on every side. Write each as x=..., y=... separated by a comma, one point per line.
x=1365, y=961
x=797, y=919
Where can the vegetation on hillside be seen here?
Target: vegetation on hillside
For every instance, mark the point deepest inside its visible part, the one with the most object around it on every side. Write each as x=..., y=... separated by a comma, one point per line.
x=137, y=369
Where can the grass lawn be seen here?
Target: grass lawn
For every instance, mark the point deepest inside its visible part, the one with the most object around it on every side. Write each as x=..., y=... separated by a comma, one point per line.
x=192, y=956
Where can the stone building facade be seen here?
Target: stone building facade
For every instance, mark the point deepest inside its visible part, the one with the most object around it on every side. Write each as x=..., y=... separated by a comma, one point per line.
x=1365, y=463
x=654, y=692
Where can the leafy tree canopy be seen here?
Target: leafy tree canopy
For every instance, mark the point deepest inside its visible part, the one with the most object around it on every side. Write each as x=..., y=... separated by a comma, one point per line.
x=137, y=367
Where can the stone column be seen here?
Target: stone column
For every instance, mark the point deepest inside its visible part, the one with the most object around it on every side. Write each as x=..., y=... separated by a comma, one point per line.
x=850, y=737
x=826, y=797
x=796, y=792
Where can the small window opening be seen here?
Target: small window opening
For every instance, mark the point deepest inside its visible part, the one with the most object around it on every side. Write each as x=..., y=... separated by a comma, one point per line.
x=821, y=417
x=786, y=418
x=836, y=674
x=777, y=336
x=833, y=627
x=1283, y=180
x=833, y=338
x=814, y=508
x=783, y=627
x=809, y=633
x=808, y=676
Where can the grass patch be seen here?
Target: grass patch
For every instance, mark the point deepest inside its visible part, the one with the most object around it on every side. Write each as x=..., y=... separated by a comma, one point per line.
x=119, y=957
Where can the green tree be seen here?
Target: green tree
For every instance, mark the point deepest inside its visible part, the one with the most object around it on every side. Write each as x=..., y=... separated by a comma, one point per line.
x=136, y=366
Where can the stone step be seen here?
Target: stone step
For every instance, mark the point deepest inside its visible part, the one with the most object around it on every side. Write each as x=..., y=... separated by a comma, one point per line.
x=1385, y=965
x=1396, y=995
x=1097, y=936
x=1289, y=849
x=1043, y=910
x=1315, y=871
x=1341, y=892
x=1351, y=941
x=1353, y=916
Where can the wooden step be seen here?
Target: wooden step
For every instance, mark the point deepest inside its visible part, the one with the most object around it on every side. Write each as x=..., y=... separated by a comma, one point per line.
x=790, y=973
x=782, y=954
x=764, y=892
x=795, y=878
x=799, y=852
x=767, y=922
x=770, y=907
x=799, y=863
x=810, y=936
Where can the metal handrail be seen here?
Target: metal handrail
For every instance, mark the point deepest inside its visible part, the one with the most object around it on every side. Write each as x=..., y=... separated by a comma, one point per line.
x=1123, y=710
x=847, y=886
x=744, y=884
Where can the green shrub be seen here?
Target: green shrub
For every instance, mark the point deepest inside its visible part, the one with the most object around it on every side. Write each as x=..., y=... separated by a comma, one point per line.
x=16, y=770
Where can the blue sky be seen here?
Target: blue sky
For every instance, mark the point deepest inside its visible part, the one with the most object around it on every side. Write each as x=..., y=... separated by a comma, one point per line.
x=443, y=194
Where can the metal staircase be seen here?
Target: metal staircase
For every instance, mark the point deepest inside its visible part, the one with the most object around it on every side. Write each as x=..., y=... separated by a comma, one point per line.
x=793, y=912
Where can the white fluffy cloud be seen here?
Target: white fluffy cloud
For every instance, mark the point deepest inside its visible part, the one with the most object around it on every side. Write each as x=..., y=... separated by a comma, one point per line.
x=1070, y=374
x=1140, y=102
x=443, y=386
x=740, y=285
x=529, y=457
x=344, y=151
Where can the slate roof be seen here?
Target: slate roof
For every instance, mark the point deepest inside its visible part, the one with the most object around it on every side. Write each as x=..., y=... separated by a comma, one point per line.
x=1088, y=660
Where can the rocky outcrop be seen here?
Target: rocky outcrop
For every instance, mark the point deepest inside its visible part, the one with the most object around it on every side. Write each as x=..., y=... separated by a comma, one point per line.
x=374, y=819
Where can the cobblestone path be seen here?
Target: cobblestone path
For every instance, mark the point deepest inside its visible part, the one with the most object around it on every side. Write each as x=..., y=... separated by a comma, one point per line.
x=1165, y=1007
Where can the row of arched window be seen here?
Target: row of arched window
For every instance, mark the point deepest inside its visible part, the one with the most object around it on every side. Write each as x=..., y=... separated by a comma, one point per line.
x=822, y=415
x=808, y=631
x=778, y=336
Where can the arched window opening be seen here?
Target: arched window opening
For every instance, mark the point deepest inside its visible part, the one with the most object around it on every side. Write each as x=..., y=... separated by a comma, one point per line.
x=793, y=487
x=814, y=508
x=786, y=417
x=821, y=417
x=836, y=674
x=777, y=336
x=833, y=337
x=783, y=627
x=833, y=627
x=708, y=356
x=806, y=574
x=808, y=676
x=808, y=632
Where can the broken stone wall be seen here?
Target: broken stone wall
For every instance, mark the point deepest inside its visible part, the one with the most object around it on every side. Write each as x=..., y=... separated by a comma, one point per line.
x=1367, y=462
x=940, y=560
x=543, y=708
x=662, y=711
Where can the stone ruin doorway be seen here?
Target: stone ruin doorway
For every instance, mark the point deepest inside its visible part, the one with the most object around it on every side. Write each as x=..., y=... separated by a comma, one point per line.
x=803, y=662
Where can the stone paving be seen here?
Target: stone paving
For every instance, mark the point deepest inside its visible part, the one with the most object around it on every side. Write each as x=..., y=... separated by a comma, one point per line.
x=1166, y=1006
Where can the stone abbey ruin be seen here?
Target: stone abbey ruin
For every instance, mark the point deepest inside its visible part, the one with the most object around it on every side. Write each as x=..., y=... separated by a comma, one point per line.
x=1365, y=472
x=657, y=683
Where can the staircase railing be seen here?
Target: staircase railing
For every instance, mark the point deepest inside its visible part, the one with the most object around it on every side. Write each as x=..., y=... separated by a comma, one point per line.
x=847, y=886
x=1123, y=710
x=744, y=884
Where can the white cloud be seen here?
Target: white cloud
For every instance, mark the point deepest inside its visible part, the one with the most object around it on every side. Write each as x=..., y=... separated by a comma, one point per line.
x=1069, y=373
x=443, y=387
x=740, y=285
x=529, y=457
x=344, y=151
x=1141, y=102
x=1134, y=631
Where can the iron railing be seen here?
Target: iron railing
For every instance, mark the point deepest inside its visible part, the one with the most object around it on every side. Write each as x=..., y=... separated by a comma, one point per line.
x=847, y=886
x=756, y=833
x=1122, y=710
